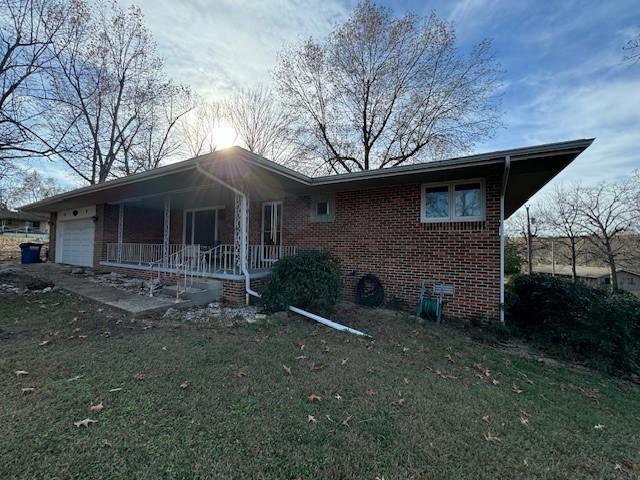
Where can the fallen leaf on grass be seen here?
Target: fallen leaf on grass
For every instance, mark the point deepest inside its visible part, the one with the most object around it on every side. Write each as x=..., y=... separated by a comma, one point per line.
x=184, y=385
x=139, y=376
x=590, y=393
x=631, y=466
x=337, y=396
x=515, y=388
x=287, y=369
x=26, y=390
x=406, y=381
x=486, y=418
x=489, y=437
x=495, y=382
x=344, y=361
x=398, y=403
x=311, y=419
x=444, y=376
x=44, y=343
x=524, y=420
x=314, y=398
x=85, y=422
x=483, y=370
x=20, y=373
x=599, y=426
x=96, y=408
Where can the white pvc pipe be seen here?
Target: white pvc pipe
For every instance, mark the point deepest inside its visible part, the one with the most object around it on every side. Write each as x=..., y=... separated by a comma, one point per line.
x=243, y=228
x=503, y=191
x=328, y=323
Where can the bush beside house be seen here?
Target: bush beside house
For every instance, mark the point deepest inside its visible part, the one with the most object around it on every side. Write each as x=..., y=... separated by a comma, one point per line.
x=309, y=280
x=577, y=320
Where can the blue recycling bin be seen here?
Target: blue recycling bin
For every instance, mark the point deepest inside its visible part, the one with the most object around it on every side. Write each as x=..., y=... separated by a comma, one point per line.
x=30, y=252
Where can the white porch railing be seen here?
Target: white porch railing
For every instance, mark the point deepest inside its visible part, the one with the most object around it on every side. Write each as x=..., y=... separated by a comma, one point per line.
x=190, y=258
x=139, y=253
x=264, y=256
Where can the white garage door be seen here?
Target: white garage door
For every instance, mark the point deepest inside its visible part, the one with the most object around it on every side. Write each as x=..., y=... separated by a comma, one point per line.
x=75, y=242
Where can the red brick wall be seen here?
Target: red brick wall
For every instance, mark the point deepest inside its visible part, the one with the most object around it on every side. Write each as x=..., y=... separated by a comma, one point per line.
x=379, y=231
x=233, y=291
x=52, y=236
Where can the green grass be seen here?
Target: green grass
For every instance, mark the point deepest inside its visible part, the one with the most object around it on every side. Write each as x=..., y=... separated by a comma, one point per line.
x=242, y=416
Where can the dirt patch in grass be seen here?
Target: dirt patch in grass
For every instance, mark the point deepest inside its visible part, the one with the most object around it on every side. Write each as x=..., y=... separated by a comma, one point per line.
x=287, y=398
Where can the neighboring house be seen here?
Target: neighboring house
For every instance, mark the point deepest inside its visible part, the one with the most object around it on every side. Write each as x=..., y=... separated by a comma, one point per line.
x=599, y=277
x=231, y=214
x=22, y=222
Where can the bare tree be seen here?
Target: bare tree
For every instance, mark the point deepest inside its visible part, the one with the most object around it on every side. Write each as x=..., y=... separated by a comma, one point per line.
x=108, y=87
x=154, y=138
x=632, y=49
x=198, y=128
x=27, y=30
x=263, y=126
x=561, y=212
x=34, y=187
x=526, y=226
x=381, y=91
x=606, y=214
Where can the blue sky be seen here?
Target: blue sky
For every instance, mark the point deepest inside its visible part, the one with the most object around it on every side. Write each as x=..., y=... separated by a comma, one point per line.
x=564, y=78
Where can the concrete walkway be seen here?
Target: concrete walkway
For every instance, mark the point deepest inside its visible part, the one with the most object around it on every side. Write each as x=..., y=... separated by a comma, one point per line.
x=131, y=303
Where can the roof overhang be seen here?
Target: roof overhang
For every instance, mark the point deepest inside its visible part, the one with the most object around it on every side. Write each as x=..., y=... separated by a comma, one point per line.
x=531, y=169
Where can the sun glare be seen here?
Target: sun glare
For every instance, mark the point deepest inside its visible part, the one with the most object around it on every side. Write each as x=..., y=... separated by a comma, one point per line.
x=224, y=136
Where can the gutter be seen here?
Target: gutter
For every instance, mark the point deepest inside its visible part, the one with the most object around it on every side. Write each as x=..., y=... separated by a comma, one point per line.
x=503, y=191
x=243, y=229
x=243, y=260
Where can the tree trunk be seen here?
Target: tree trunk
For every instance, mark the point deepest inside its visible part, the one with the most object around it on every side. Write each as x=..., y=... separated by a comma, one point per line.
x=573, y=260
x=613, y=273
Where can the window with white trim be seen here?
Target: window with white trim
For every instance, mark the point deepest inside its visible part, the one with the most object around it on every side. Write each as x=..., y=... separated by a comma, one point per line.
x=461, y=201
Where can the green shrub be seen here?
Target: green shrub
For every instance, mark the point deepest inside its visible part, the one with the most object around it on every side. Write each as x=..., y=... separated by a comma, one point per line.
x=309, y=280
x=591, y=324
x=512, y=259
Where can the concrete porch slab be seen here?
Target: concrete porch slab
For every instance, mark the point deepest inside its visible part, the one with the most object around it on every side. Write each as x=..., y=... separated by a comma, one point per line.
x=131, y=303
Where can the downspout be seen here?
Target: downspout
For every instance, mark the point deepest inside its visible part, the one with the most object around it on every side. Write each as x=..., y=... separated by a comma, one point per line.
x=503, y=191
x=243, y=259
x=243, y=228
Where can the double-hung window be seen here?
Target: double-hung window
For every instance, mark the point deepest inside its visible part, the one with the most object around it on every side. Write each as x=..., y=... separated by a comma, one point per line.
x=460, y=201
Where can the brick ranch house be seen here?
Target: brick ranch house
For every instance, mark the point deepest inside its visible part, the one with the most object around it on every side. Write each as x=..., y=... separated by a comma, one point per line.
x=229, y=215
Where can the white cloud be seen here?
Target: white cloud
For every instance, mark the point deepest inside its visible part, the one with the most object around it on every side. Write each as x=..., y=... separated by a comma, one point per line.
x=218, y=46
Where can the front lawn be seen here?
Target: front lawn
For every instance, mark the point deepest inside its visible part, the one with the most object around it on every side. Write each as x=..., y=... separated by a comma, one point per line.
x=418, y=402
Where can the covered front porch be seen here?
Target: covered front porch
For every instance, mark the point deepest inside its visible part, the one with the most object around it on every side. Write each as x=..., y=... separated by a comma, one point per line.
x=197, y=231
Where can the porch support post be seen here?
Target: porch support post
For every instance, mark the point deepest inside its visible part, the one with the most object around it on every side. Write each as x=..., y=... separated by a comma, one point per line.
x=240, y=231
x=120, y=230
x=167, y=230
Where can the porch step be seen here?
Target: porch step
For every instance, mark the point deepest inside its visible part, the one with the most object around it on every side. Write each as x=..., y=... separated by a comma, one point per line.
x=200, y=293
